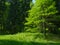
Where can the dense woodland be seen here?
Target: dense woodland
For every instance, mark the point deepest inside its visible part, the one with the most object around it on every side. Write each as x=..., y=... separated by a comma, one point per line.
x=43, y=16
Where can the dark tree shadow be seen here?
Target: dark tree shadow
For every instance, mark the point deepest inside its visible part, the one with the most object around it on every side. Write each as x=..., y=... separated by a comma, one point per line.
x=12, y=42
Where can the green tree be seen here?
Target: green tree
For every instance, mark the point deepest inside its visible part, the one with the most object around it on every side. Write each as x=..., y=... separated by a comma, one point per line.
x=39, y=16
x=16, y=15
x=2, y=11
x=12, y=15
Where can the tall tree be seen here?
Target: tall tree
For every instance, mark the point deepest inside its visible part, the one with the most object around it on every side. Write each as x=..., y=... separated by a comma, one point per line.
x=17, y=13
x=39, y=16
x=2, y=11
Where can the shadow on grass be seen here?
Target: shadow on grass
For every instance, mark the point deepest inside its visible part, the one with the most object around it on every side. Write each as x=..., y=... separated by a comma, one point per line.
x=12, y=42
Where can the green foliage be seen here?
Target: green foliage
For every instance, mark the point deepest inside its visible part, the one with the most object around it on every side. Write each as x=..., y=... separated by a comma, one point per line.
x=13, y=15
x=39, y=14
x=2, y=11
x=42, y=16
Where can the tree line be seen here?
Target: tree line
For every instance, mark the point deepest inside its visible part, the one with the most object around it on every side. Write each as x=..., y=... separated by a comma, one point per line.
x=12, y=15
x=26, y=16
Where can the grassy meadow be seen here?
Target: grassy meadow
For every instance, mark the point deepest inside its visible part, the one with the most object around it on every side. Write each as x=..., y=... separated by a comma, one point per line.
x=29, y=39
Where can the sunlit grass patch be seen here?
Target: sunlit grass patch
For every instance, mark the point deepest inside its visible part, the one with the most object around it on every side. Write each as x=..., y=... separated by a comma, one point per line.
x=29, y=39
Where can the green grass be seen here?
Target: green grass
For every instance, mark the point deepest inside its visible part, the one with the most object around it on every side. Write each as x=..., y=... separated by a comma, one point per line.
x=29, y=39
